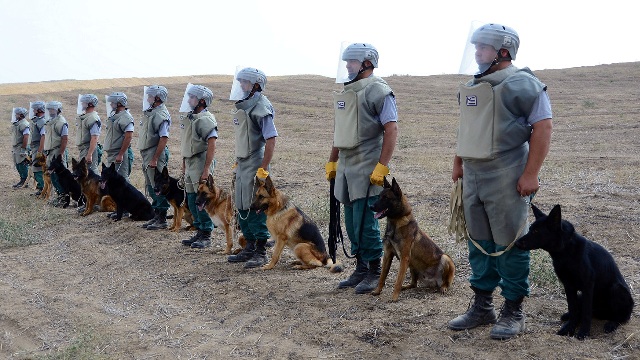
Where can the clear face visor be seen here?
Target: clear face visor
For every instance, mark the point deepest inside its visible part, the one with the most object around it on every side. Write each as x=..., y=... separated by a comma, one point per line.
x=240, y=89
x=110, y=106
x=80, y=109
x=347, y=69
x=184, y=105
x=147, y=99
x=476, y=58
x=14, y=118
x=52, y=113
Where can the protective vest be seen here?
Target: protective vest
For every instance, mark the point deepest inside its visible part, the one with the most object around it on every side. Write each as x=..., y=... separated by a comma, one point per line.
x=37, y=124
x=84, y=123
x=489, y=109
x=116, y=125
x=355, y=110
x=53, y=139
x=17, y=130
x=195, y=128
x=152, y=119
x=246, y=124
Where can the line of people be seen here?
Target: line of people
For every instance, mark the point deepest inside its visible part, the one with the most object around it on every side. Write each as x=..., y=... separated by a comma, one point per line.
x=503, y=138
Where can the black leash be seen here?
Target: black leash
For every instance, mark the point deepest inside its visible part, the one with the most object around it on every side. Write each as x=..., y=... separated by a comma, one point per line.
x=335, y=230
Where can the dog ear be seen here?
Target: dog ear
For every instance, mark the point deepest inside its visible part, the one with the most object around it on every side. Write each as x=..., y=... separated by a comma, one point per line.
x=82, y=161
x=113, y=166
x=396, y=188
x=210, y=182
x=537, y=213
x=385, y=183
x=268, y=184
x=165, y=171
x=556, y=217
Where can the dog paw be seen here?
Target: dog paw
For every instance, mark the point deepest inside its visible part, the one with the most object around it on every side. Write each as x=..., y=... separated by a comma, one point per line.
x=267, y=267
x=611, y=326
x=565, y=317
x=582, y=334
x=567, y=329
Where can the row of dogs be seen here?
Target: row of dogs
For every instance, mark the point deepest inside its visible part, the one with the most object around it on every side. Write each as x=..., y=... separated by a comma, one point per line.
x=592, y=280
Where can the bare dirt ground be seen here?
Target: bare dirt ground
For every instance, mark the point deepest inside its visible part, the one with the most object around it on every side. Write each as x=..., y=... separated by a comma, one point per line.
x=75, y=287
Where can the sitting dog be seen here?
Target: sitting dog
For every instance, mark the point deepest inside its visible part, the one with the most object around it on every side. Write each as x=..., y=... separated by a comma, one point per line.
x=70, y=187
x=218, y=204
x=40, y=160
x=592, y=281
x=167, y=186
x=125, y=195
x=90, y=185
x=292, y=227
x=404, y=240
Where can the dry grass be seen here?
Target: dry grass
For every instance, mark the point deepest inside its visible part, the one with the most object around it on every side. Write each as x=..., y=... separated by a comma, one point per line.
x=103, y=290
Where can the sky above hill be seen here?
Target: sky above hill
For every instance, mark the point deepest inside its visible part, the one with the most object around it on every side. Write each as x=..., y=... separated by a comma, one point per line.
x=70, y=39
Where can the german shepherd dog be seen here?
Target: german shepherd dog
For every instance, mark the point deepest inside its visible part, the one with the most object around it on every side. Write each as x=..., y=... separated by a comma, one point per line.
x=90, y=187
x=292, y=227
x=218, y=204
x=592, y=281
x=167, y=186
x=404, y=240
x=125, y=195
x=70, y=187
x=40, y=160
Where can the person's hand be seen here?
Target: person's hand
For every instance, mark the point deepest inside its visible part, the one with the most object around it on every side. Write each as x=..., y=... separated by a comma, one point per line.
x=153, y=163
x=527, y=184
x=204, y=176
x=119, y=158
x=262, y=173
x=330, y=168
x=457, y=172
x=88, y=158
x=378, y=174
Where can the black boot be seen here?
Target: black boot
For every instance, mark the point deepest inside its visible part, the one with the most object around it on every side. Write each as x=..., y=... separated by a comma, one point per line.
x=146, y=225
x=259, y=256
x=20, y=183
x=511, y=322
x=160, y=221
x=370, y=280
x=356, y=276
x=481, y=312
x=194, y=238
x=203, y=242
x=246, y=254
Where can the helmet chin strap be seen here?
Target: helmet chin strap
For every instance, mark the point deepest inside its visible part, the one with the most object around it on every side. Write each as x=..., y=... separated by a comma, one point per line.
x=498, y=59
x=362, y=69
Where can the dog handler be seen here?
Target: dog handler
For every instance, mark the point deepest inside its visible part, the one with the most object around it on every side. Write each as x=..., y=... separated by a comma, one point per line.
x=503, y=139
x=118, y=134
x=255, y=142
x=152, y=142
x=88, y=123
x=199, y=134
x=364, y=139
x=37, y=140
x=20, y=131
x=55, y=141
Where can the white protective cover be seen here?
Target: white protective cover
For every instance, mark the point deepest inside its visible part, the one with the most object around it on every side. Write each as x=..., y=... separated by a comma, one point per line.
x=145, y=99
x=184, y=106
x=342, y=75
x=79, y=109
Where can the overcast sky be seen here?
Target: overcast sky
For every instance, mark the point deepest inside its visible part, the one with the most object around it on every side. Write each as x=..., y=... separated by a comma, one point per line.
x=72, y=39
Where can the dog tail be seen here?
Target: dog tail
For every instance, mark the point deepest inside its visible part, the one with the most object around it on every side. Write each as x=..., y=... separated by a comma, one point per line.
x=448, y=272
x=334, y=268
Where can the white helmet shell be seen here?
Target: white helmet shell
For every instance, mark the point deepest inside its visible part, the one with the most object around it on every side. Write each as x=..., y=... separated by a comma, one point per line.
x=354, y=51
x=252, y=75
x=200, y=92
x=495, y=35
x=16, y=112
x=153, y=91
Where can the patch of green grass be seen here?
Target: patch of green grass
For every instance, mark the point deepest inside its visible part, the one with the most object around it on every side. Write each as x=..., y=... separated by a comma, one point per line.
x=542, y=273
x=589, y=104
x=14, y=234
x=86, y=345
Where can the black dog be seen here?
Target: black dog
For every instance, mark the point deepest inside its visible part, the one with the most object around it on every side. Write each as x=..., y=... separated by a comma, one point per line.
x=125, y=195
x=70, y=187
x=167, y=186
x=592, y=281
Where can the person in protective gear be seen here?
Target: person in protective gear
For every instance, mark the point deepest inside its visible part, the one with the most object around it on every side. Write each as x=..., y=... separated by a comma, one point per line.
x=89, y=127
x=118, y=134
x=37, y=140
x=255, y=134
x=198, y=146
x=152, y=143
x=365, y=133
x=55, y=142
x=503, y=139
x=20, y=132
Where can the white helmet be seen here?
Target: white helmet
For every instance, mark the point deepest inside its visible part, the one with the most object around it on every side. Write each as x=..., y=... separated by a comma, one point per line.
x=38, y=106
x=159, y=91
x=202, y=93
x=254, y=76
x=57, y=105
x=498, y=36
x=117, y=97
x=89, y=99
x=361, y=52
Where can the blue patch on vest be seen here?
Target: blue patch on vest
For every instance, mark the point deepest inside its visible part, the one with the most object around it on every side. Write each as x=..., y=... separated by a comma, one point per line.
x=472, y=100
x=341, y=105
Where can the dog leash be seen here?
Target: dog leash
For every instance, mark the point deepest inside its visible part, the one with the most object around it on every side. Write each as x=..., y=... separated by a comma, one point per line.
x=458, y=224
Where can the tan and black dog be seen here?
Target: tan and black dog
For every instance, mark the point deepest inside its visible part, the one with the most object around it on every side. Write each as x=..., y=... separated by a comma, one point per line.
x=415, y=249
x=167, y=186
x=90, y=185
x=40, y=160
x=292, y=227
x=218, y=204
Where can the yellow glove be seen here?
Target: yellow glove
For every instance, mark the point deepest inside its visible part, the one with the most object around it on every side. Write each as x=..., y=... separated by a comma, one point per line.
x=331, y=167
x=262, y=173
x=378, y=174
x=234, y=168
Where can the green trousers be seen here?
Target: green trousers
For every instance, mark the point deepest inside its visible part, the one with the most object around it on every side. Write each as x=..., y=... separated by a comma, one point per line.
x=23, y=169
x=253, y=225
x=39, y=179
x=201, y=219
x=509, y=271
x=159, y=202
x=364, y=236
